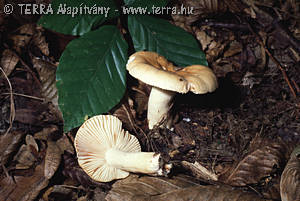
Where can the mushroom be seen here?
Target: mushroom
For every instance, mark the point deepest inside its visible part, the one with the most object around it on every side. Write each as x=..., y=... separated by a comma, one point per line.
x=106, y=152
x=167, y=79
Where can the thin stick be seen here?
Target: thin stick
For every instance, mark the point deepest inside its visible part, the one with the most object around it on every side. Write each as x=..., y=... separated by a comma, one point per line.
x=26, y=96
x=296, y=86
x=12, y=104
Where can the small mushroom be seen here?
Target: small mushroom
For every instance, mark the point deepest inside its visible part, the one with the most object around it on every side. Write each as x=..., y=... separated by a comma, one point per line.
x=106, y=152
x=167, y=79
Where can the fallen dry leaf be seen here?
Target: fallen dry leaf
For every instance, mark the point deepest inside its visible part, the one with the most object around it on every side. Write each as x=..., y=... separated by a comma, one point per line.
x=256, y=165
x=200, y=171
x=26, y=154
x=24, y=157
x=39, y=40
x=27, y=116
x=65, y=144
x=61, y=192
x=8, y=144
x=30, y=141
x=47, y=76
x=178, y=188
x=22, y=37
x=52, y=159
x=23, y=188
x=8, y=61
x=290, y=178
x=204, y=39
x=46, y=132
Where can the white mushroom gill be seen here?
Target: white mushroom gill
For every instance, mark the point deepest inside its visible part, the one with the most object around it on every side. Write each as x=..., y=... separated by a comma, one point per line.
x=106, y=152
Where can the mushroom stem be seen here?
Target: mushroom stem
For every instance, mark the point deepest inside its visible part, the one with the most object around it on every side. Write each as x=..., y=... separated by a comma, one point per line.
x=139, y=162
x=159, y=105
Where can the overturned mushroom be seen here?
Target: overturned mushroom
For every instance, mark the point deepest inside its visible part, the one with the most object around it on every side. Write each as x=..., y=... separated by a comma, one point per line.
x=166, y=80
x=106, y=152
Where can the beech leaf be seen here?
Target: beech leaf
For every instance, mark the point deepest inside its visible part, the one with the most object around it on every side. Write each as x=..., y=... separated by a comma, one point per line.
x=91, y=76
x=78, y=17
x=158, y=35
x=177, y=188
x=256, y=165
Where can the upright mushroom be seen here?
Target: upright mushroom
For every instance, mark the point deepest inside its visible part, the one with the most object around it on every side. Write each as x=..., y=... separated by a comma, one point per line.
x=106, y=152
x=166, y=80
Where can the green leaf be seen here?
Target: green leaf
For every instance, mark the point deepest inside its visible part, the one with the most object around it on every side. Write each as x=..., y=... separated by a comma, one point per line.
x=158, y=35
x=91, y=75
x=90, y=13
x=150, y=5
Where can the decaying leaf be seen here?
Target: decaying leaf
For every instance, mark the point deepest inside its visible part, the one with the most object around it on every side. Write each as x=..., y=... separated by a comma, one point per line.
x=30, y=141
x=9, y=144
x=46, y=132
x=39, y=40
x=26, y=154
x=23, y=36
x=8, y=61
x=60, y=192
x=256, y=165
x=200, y=171
x=52, y=159
x=204, y=39
x=23, y=188
x=24, y=157
x=178, y=188
x=27, y=116
x=47, y=72
x=209, y=42
x=290, y=178
x=65, y=144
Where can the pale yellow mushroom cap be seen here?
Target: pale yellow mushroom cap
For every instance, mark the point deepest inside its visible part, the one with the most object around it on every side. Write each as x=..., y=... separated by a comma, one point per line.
x=155, y=70
x=97, y=135
x=201, y=79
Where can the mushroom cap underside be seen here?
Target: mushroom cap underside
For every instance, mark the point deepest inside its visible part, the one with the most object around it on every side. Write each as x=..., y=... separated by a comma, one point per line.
x=97, y=135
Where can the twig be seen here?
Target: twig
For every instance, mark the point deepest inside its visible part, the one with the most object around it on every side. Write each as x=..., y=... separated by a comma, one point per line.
x=274, y=60
x=296, y=86
x=11, y=115
x=26, y=96
x=12, y=104
x=241, y=27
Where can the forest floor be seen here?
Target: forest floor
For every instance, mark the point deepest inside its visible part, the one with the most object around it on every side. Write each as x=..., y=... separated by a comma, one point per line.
x=243, y=133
